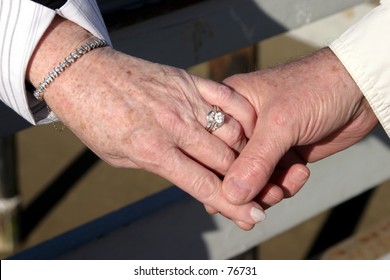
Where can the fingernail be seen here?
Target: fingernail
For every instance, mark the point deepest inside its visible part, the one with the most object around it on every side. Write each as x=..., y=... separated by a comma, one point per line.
x=257, y=215
x=300, y=176
x=237, y=190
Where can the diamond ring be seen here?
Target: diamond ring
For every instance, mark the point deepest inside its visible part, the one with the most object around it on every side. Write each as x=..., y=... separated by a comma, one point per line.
x=215, y=119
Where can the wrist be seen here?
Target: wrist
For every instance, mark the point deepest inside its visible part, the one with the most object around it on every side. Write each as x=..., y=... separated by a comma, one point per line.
x=337, y=75
x=61, y=38
x=67, y=62
x=323, y=74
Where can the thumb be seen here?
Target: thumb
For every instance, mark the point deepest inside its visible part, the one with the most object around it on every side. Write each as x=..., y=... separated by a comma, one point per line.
x=251, y=171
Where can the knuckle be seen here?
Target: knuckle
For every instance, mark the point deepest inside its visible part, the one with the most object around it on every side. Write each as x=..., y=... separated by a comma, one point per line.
x=251, y=116
x=258, y=166
x=223, y=94
x=226, y=160
x=168, y=117
x=283, y=123
x=146, y=149
x=204, y=188
x=283, y=118
x=235, y=136
x=174, y=124
x=232, y=80
x=278, y=118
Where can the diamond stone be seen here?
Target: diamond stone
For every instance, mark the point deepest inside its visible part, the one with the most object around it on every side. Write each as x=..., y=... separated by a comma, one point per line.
x=211, y=117
x=219, y=117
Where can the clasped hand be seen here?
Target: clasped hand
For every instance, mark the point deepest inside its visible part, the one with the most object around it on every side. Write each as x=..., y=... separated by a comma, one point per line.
x=136, y=114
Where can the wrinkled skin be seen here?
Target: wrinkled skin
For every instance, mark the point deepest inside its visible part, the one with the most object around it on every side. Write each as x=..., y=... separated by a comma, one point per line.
x=136, y=114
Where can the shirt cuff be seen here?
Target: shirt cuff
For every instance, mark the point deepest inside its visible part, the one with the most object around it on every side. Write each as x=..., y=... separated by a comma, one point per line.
x=23, y=23
x=364, y=51
x=87, y=15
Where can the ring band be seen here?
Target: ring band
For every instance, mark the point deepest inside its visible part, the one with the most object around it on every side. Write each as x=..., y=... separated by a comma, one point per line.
x=215, y=119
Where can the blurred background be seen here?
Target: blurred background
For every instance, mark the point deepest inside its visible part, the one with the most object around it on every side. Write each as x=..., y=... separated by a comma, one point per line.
x=103, y=189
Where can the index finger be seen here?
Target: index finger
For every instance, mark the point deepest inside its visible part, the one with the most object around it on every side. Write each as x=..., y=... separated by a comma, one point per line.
x=205, y=186
x=230, y=101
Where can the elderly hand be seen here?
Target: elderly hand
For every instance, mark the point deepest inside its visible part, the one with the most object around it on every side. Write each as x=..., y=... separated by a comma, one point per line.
x=138, y=114
x=311, y=108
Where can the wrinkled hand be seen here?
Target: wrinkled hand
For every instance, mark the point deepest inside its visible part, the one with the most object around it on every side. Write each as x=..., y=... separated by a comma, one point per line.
x=307, y=110
x=138, y=114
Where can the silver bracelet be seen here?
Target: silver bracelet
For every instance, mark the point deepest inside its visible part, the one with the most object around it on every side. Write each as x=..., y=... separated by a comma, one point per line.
x=87, y=47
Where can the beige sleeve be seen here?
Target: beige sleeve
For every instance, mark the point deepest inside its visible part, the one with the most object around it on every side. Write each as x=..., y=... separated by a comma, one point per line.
x=364, y=50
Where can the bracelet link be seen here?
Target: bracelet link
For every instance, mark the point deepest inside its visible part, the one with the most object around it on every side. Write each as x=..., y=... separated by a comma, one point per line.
x=69, y=60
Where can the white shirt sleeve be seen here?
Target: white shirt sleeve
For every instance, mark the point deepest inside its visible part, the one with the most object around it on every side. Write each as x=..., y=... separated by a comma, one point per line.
x=22, y=24
x=364, y=50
